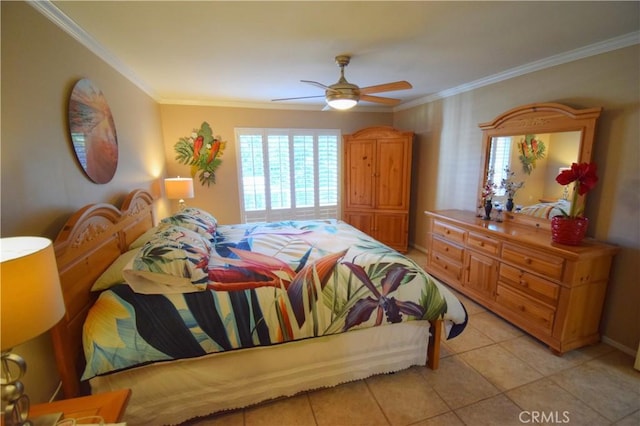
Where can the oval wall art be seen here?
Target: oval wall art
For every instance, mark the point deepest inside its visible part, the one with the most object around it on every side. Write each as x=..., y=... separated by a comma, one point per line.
x=93, y=132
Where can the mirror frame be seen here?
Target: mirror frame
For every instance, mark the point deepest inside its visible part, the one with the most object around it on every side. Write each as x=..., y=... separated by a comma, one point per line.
x=535, y=119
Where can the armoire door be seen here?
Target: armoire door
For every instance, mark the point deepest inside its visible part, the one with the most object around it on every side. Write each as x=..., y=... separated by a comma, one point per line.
x=391, y=177
x=360, y=157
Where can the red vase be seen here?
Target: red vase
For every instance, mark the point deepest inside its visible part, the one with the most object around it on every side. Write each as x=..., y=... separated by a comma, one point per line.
x=568, y=230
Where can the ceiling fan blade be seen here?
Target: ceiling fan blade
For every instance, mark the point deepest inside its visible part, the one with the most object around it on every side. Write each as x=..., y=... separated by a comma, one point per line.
x=380, y=100
x=300, y=97
x=315, y=83
x=386, y=87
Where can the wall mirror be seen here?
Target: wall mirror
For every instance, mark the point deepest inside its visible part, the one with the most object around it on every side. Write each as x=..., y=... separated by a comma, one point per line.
x=534, y=142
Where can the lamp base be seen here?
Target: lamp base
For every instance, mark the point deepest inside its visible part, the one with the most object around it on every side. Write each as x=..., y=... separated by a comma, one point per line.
x=46, y=419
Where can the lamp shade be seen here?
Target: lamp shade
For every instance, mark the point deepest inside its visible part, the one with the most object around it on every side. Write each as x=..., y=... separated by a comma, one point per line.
x=178, y=188
x=30, y=294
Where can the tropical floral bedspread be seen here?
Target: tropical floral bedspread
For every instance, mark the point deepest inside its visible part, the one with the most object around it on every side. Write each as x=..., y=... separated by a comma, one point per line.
x=254, y=285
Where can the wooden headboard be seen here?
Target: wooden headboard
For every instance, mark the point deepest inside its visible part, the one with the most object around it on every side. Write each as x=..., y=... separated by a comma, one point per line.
x=89, y=242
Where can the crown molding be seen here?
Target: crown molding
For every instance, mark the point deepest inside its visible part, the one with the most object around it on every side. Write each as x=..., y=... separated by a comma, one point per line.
x=266, y=105
x=55, y=15
x=562, y=58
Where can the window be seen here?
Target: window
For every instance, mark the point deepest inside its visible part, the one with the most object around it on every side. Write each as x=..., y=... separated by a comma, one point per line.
x=499, y=161
x=288, y=174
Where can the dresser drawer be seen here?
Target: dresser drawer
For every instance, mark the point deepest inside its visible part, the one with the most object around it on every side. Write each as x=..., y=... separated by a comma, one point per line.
x=446, y=249
x=445, y=266
x=537, y=287
x=531, y=312
x=448, y=231
x=483, y=243
x=545, y=264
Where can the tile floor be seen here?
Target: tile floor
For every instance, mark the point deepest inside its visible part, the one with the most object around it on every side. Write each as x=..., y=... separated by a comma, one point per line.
x=492, y=374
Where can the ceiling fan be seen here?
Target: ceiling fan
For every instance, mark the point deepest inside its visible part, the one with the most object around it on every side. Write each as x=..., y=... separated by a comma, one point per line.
x=344, y=95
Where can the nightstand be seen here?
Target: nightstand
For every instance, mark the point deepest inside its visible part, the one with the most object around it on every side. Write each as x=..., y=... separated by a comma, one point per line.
x=108, y=405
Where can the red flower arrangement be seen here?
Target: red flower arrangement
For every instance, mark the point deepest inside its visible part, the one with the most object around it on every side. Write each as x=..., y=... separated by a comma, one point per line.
x=585, y=178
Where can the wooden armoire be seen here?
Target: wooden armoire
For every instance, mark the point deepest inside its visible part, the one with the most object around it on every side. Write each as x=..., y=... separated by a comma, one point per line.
x=377, y=183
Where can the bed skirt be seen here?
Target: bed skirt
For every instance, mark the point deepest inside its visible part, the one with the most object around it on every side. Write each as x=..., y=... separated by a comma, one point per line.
x=174, y=392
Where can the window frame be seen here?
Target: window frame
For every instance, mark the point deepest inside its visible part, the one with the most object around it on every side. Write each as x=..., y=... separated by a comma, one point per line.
x=499, y=174
x=270, y=214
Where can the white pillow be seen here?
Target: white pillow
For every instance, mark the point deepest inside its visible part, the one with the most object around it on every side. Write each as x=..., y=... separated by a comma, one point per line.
x=114, y=273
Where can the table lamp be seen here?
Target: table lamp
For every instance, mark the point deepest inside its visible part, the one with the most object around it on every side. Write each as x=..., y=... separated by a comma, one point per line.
x=178, y=189
x=31, y=303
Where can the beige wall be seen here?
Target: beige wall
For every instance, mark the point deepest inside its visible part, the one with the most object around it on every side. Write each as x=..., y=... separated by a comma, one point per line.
x=448, y=151
x=42, y=183
x=222, y=199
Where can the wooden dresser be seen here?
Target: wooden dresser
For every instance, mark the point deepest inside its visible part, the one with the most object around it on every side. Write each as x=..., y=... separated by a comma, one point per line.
x=377, y=183
x=553, y=292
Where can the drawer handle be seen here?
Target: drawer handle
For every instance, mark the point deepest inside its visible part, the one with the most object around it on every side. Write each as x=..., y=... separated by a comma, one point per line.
x=524, y=283
x=527, y=260
x=446, y=249
x=446, y=231
x=481, y=243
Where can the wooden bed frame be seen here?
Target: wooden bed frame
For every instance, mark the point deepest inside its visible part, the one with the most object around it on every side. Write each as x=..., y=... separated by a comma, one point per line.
x=89, y=242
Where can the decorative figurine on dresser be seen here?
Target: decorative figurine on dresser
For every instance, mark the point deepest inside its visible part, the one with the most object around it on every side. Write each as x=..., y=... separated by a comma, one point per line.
x=555, y=292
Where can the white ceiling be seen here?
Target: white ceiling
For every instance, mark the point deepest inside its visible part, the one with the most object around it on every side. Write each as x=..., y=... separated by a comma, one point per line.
x=247, y=53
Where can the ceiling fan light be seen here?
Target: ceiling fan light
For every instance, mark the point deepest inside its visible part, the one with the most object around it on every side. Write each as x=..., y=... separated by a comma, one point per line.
x=342, y=104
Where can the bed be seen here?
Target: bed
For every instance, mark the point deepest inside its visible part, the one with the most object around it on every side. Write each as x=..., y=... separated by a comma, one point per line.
x=546, y=210
x=197, y=317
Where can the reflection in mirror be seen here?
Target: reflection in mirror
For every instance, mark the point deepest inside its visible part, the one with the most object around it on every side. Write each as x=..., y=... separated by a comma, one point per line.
x=533, y=161
x=531, y=144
